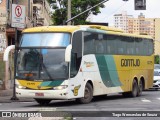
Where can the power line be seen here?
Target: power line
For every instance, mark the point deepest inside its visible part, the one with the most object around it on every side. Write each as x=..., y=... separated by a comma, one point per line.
x=114, y=11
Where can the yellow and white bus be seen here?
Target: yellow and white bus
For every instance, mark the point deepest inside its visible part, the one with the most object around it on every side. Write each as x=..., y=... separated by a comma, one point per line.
x=79, y=62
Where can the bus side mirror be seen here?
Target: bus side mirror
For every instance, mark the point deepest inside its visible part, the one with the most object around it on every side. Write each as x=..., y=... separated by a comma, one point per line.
x=6, y=52
x=68, y=53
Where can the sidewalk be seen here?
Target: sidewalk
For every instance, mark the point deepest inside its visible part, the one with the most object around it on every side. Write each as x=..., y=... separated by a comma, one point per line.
x=6, y=95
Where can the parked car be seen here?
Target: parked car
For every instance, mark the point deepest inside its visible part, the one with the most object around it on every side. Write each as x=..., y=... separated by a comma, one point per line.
x=156, y=79
x=157, y=66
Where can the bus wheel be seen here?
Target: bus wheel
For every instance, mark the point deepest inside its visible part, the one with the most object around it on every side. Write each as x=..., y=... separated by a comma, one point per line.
x=43, y=101
x=140, y=88
x=88, y=94
x=134, y=91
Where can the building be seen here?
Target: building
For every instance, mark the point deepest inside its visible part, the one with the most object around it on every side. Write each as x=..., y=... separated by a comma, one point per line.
x=3, y=22
x=140, y=25
x=121, y=20
x=37, y=13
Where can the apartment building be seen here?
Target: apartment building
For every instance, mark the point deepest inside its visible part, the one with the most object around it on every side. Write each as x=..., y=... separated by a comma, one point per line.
x=3, y=22
x=140, y=25
x=121, y=20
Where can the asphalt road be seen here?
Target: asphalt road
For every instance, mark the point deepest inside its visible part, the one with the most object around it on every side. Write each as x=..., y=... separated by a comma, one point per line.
x=113, y=106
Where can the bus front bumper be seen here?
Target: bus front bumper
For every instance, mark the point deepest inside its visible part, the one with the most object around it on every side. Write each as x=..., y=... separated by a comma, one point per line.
x=42, y=94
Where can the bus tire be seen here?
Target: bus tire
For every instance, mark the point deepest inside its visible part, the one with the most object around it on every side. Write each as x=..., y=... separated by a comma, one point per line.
x=134, y=91
x=88, y=95
x=140, y=88
x=43, y=101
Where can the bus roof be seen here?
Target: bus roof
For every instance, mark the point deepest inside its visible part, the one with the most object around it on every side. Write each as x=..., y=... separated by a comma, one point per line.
x=52, y=29
x=71, y=29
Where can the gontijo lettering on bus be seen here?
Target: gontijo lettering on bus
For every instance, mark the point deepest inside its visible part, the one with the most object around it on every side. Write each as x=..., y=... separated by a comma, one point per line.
x=130, y=62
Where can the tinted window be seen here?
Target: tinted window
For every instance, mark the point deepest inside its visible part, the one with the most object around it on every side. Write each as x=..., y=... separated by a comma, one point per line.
x=89, y=43
x=116, y=44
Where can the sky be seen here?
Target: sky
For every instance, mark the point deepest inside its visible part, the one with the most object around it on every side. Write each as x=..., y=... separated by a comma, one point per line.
x=117, y=6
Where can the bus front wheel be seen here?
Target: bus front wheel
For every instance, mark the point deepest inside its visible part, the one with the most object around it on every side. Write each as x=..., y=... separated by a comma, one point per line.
x=43, y=101
x=88, y=94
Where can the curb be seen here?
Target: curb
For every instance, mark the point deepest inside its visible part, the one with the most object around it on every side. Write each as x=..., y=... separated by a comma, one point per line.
x=6, y=95
x=8, y=92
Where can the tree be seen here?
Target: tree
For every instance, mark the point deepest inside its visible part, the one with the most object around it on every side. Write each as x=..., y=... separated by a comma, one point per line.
x=77, y=6
x=156, y=59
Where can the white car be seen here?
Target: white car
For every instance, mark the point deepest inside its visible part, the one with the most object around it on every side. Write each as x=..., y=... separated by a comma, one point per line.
x=157, y=66
x=156, y=79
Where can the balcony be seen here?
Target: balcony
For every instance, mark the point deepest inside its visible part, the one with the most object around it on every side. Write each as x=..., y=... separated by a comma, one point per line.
x=41, y=12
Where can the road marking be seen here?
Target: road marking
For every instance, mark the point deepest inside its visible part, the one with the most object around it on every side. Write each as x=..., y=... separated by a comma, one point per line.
x=26, y=102
x=145, y=100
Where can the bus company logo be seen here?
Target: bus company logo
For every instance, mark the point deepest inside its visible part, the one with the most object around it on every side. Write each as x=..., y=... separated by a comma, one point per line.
x=6, y=114
x=75, y=90
x=88, y=64
x=39, y=87
x=130, y=62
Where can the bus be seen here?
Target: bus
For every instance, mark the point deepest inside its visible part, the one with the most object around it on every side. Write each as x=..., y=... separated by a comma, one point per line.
x=80, y=62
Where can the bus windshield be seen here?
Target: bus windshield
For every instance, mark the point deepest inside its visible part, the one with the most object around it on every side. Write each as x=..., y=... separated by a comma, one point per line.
x=42, y=59
x=45, y=39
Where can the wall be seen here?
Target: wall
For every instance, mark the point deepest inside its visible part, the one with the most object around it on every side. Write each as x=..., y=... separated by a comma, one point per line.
x=3, y=21
x=157, y=36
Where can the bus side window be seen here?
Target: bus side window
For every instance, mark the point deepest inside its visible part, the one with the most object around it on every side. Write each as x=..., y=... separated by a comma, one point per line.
x=139, y=46
x=99, y=47
x=76, y=55
x=89, y=43
x=109, y=49
x=150, y=47
x=120, y=51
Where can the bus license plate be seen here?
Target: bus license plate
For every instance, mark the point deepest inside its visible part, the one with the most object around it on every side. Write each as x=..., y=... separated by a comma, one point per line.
x=39, y=94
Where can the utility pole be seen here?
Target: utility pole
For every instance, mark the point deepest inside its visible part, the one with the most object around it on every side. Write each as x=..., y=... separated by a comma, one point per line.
x=69, y=12
x=14, y=97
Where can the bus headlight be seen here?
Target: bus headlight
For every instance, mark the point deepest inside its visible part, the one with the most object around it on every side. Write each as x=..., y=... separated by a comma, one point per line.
x=20, y=87
x=60, y=87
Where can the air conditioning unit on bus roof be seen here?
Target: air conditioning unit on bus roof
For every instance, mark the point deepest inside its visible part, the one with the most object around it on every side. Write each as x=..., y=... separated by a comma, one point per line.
x=106, y=28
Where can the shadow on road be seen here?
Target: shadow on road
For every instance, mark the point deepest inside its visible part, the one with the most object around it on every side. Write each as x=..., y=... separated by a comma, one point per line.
x=116, y=97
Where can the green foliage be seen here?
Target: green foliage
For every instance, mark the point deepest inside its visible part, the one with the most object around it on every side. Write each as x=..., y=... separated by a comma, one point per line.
x=156, y=59
x=77, y=6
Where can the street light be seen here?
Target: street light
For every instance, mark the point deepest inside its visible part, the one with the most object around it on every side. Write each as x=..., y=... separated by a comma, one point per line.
x=140, y=4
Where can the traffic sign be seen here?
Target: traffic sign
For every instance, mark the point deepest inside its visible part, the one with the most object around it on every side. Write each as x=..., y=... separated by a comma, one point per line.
x=18, y=16
x=140, y=4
